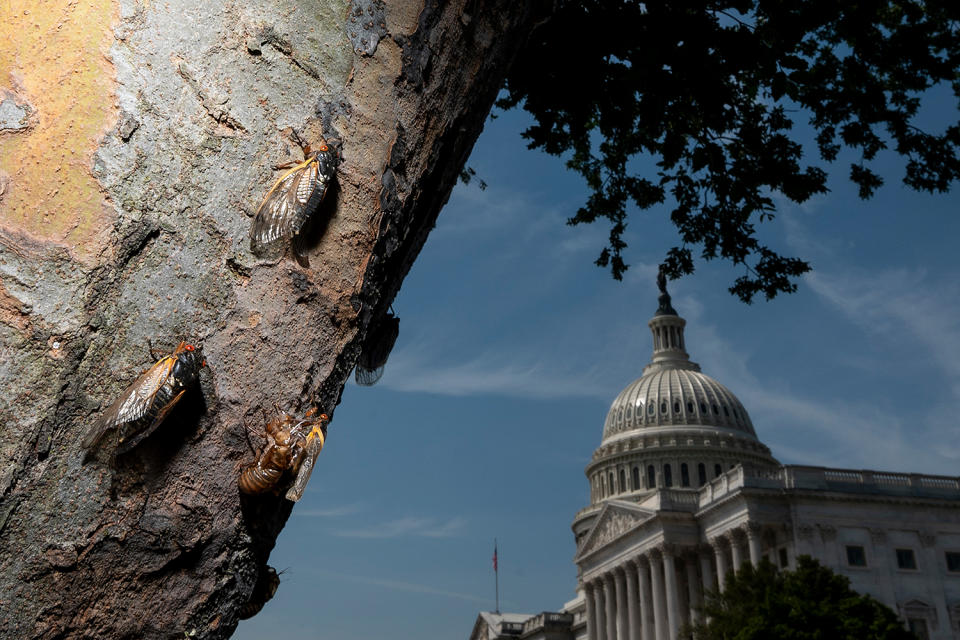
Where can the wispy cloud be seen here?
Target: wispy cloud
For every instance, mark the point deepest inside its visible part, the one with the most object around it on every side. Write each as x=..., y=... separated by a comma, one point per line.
x=900, y=304
x=804, y=429
x=407, y=526
x=331, y=512
x=493, y=372
x=409, y=587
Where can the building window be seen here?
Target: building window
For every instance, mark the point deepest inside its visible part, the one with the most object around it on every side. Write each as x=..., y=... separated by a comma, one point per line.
x=906, y=559
x=856, y=557
x=651, y=477
x=689, y=407
x=663, y=407
x=650, y=409
x=953, y=561
x=676, y=407
x=717, y=470
x=667, y=476
x=784, y=562
x=636, y=478
x=623, y=481
x=684, y=475
x=702, y=473
x=918, y=627
x=703, y=408
x=610, y=480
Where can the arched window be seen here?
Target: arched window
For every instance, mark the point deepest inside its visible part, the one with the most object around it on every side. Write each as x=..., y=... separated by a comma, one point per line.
x=623, y=482
x=651, y=477
x=684, y=475
x=667, y=476
x=717, y=470
x=636, y=478
x=702, y=473
x=610, y=480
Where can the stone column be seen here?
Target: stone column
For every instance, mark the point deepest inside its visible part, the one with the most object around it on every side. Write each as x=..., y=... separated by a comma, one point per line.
x=735, y=551
x=619, y=578
x=591, y=606
x=718, y=551
x=660, y=622
x=633, y=602
x=754, y=537
x=609, y=596
x=706, y=570
x=673, y=596
x=693, y=588
x=599, y=606
x=646, y=601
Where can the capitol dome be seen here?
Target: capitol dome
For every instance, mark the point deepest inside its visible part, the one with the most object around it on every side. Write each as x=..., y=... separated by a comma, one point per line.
x=672, y=428
x=672, y=397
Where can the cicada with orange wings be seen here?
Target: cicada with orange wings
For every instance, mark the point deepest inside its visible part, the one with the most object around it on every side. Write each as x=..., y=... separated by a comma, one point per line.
x=313, y=433
x=144, y=404
x=293, y=446
x=292, y=200
x=376, y=349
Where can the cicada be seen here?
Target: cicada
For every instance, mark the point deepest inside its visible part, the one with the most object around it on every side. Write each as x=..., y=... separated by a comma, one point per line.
x=144, y=404
x=293, y=447
x=292, y=200
x=376, y=349
x=263, y=591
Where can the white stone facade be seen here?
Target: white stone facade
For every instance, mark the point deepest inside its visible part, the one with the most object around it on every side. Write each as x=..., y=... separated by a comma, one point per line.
x=682, y=492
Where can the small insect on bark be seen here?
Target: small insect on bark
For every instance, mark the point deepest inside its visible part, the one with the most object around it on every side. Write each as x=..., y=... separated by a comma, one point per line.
x=293, y=446
x=376, y=349
x=291, y=201
x=144, y=404
x=263, y=592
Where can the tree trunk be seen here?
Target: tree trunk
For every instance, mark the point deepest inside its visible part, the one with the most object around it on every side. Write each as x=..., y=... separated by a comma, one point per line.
x=136, y=142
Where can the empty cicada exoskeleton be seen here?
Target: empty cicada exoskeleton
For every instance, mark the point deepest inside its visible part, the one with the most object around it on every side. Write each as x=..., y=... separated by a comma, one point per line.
x=293, y=446
x=144, y=404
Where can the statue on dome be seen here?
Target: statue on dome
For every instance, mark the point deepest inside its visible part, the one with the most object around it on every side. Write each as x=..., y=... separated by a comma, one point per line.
x=665, y=308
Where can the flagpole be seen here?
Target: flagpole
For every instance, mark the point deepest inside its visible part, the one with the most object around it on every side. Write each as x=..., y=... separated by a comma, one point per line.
x=496, y=574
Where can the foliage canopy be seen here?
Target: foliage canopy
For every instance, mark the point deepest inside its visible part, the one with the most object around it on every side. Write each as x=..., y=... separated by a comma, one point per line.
x=710, y=90
x=810, y=603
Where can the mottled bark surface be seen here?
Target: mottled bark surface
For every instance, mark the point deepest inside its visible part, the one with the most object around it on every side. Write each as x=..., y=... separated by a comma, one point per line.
x=136, y=140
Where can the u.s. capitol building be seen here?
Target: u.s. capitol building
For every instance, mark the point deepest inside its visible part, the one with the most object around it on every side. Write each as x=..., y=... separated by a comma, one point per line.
x=682, y=492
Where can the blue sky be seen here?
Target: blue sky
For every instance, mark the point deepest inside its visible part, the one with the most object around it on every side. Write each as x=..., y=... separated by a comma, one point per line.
x=512, y=346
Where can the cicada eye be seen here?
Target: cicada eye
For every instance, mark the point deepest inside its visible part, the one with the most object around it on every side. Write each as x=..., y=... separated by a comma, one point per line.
x=189, y=347
x=324, y=147
x=324, y=416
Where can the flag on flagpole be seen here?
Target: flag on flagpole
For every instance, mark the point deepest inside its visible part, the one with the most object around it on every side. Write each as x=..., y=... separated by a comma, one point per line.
x=494, y=556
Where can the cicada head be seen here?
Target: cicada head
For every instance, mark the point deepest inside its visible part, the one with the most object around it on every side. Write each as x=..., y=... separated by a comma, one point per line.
x=327, y=156
x=189, y=362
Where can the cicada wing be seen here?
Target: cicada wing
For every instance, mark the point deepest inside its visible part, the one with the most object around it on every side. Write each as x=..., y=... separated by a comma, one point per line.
x=312, y=448
x=136, y=438
x=367, y=377
x=284, y=209
x=134, y=403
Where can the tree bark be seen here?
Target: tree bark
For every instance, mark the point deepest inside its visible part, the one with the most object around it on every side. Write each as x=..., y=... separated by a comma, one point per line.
x=136, y=141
